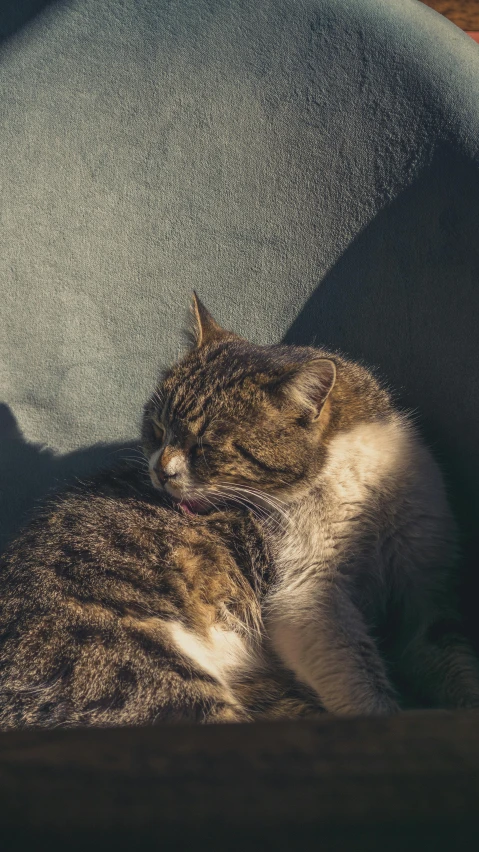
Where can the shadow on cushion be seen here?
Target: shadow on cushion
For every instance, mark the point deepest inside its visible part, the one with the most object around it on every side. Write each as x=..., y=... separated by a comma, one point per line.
x=17, y=14
x=31, y=472
x=404, y=298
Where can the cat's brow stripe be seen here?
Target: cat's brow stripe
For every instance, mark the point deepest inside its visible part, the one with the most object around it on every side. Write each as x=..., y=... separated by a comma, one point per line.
x=190, y=406
x=185, y=404
x=195, y=412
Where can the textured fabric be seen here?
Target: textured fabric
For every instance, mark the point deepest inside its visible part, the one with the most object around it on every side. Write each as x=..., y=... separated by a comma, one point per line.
x=309, y=166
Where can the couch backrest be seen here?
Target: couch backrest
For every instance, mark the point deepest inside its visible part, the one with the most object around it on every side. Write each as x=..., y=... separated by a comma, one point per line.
x=311, y=167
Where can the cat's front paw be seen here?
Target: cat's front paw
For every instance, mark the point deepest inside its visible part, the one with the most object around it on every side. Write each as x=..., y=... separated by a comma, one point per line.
x=380, y=705
x=226, y=713
x=384, y=707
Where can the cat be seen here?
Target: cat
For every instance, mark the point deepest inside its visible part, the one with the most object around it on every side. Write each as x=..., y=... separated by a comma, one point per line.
x=118, y=609
x=291, y=551
x=364, y=594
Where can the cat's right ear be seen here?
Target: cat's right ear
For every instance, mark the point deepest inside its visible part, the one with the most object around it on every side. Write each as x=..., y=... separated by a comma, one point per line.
x=308, y=385
x=205, y=329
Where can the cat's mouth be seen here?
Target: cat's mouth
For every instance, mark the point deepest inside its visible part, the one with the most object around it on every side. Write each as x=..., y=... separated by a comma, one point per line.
x=189, y=505
x=193, y=507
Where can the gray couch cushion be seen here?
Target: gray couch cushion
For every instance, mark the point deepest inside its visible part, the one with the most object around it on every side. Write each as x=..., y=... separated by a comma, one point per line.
x=311, y=167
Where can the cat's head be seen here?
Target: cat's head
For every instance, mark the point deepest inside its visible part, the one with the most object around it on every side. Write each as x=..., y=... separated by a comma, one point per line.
x=236, y=421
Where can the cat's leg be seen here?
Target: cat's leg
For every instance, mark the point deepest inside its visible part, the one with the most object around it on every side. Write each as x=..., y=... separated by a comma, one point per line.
x=321, y=635
x=198, y=699
x=440, y=665
x=430, y=652
x=166, y=697
x=274, y=693
x=221, y=711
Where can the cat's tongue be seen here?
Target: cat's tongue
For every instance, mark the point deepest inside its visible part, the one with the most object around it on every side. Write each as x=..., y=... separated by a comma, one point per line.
x=190, y=507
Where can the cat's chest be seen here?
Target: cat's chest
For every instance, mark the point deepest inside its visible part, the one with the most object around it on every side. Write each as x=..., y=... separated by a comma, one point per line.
x=347, y=513
x=315, y=536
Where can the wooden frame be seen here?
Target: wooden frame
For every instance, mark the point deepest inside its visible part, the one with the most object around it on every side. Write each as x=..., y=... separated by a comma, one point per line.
x=402, y=783
x=463, y=13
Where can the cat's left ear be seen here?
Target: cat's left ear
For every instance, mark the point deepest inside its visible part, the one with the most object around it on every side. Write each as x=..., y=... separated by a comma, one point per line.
x=205, y=328
x=310, y=385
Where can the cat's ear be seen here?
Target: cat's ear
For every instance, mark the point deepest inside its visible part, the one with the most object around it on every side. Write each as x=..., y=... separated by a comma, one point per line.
x=205, y=328
x=310, y=384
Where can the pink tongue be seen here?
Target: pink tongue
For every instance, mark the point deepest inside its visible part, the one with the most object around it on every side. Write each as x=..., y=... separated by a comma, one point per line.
x=192, y=507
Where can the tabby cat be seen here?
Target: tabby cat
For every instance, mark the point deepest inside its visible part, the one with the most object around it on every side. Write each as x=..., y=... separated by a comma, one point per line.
x=292, y=550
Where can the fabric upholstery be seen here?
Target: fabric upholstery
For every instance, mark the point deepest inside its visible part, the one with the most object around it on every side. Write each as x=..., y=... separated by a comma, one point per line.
x=310, y=167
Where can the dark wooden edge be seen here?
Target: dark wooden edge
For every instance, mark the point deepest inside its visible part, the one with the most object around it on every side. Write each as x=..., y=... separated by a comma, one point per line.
x=404, y=782
x=463, y=13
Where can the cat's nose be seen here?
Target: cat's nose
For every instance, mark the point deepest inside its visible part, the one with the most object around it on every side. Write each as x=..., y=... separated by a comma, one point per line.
x=170, y=465
x=167, y=466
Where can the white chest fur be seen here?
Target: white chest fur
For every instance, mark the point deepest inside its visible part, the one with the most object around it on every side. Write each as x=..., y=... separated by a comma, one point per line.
x=222, y=653
x=379, y=489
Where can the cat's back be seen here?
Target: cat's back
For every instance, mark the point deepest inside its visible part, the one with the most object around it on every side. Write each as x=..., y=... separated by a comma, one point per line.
x=108, y=527
x=100, y=594
x=116, y=527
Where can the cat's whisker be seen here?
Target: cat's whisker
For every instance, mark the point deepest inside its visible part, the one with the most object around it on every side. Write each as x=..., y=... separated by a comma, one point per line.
x=129, y=456
x=260, y=512
x=203, y=496
x=268, y=515
x=259, y=492
x=206, y=495
x=134, y=460
x=266, y=498
x=275, y=509
x=122, y=449
x=233, y=498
